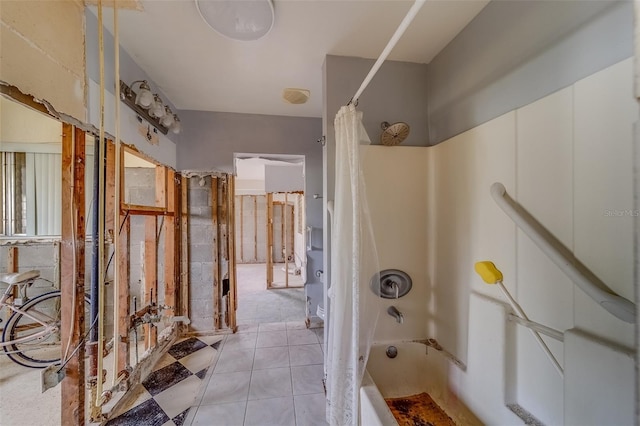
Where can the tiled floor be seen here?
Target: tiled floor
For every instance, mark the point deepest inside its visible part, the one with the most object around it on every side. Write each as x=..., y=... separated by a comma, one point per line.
x=167, y=394
x=268, y=374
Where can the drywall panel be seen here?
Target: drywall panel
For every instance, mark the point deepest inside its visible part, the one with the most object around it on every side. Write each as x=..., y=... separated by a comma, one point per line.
x=605, y=111
x=545, y=189
x=468, y=226
x=28, y=65
x=396, y=185
x=599, y=382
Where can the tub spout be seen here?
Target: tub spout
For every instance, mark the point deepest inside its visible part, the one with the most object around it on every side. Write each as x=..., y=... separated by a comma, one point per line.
x=394, y=312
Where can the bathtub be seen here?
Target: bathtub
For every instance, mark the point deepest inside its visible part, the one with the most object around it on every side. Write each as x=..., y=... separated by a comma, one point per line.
x=414, y=370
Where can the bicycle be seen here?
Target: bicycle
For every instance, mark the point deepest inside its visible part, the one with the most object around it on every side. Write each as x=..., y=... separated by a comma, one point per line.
x=31, y=335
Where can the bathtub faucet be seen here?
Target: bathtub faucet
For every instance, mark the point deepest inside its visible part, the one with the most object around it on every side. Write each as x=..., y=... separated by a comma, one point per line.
x=394, y=312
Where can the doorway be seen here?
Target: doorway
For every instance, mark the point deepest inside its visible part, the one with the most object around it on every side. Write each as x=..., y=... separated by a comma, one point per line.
x=270, y=238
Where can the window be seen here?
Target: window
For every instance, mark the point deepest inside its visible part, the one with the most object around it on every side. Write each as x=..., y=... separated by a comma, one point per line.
x=31, y=193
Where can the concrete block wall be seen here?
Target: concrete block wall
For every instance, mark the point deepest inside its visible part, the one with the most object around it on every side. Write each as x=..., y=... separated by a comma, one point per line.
x=200, y=255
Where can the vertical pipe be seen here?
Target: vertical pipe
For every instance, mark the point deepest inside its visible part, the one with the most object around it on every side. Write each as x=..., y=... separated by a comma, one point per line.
x=116, y=210
x=93, y=336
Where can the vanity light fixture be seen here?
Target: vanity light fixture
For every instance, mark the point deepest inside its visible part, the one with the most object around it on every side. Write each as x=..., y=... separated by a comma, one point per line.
x=150, y=107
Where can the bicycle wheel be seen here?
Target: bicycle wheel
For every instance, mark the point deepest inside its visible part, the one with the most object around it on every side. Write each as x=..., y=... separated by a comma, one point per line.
x=40, y=351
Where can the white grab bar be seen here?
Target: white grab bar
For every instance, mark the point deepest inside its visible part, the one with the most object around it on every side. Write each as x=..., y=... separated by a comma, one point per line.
x=617, y=305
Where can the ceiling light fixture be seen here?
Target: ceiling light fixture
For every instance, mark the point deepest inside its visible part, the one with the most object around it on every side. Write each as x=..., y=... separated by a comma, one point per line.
x=150, y=107
x=238, y=20
x=295, y=96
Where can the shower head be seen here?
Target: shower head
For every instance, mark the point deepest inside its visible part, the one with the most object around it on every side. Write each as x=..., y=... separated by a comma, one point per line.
x=393, y=134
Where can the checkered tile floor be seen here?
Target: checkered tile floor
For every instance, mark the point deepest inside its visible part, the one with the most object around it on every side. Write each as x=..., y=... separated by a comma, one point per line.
x=165, y=397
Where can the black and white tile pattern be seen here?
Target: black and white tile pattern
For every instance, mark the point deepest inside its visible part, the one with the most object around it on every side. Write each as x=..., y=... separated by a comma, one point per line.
x=167, y=394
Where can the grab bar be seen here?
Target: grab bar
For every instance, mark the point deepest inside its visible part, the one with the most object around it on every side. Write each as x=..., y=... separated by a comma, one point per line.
x=617, y=305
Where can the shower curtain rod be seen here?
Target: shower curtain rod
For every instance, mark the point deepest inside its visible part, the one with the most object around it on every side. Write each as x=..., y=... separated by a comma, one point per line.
x=387, y=50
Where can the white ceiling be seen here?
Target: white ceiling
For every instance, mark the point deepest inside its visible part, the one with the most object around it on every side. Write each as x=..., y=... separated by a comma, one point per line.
x=198, y=69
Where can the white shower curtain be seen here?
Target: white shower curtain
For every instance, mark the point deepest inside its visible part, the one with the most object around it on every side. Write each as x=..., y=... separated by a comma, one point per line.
x=354, y=262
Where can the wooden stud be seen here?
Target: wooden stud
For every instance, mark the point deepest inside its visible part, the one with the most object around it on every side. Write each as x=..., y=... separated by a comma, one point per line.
x=241, y=237
x=269, y=240
x=150, y=271
x=169, y=231
x=72, y=274
x=161, y=187
x=184, y=247
x=124, y=289
x=12, y=267
x=255, y=228
x=232, y=296
x=110, y=190
x=285, y=228
x=217, y=293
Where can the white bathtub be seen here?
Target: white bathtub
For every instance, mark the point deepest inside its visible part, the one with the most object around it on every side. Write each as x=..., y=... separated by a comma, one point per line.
x=411, y=372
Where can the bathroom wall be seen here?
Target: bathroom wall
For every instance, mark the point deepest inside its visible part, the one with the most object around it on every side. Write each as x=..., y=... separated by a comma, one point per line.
x=161, y=148
x=515, y=52
x=567, y=159
x=211, y=138
x=400, y=231
x=43, y=52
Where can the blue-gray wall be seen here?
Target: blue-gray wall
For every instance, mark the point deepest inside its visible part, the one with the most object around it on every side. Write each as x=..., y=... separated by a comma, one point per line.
x=210, y=140
x=515, y=52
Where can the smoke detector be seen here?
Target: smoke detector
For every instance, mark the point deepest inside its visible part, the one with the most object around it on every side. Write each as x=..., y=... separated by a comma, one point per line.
x=295, y=96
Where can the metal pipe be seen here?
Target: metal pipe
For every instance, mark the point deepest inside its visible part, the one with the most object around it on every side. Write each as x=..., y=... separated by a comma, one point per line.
x=93, y=334
x=100, y=208
x=617, y=305
x=116, y=197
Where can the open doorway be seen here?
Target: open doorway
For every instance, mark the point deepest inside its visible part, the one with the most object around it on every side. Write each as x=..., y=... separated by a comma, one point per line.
x=270, y=238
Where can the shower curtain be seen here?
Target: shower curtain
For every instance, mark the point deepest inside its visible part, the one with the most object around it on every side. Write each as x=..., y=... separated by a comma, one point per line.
x=354, y=264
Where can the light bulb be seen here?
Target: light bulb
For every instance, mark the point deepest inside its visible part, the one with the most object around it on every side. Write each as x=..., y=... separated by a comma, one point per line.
x=168, y=118
x=144, y=98
x=157, y=109
x=177, y=127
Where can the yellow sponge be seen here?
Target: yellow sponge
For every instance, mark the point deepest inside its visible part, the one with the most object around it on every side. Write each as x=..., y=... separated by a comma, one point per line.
x=488, y=272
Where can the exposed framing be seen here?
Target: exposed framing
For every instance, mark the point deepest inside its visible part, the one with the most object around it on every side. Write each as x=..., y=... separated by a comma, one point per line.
x=72, y=274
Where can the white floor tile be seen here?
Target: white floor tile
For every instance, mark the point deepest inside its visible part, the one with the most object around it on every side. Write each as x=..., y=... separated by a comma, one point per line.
x=307, y=379
x=270, y=412
x=240, y=341
x=247, y=328
x=228, y=387
x=305, y=354
x=229, y=414
x=277, y=356
x=270, y=383
x=310, y=410
x=230, y=361
x=199, y=360
x=272, y=326
x=179, y=397
x=296, y=325
x=271, y=338
x=301, y=337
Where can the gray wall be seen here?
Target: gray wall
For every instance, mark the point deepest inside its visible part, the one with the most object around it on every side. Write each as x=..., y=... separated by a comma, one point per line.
x=398, y=92
x=165, y=151
x=211, y=138
x=515, y=52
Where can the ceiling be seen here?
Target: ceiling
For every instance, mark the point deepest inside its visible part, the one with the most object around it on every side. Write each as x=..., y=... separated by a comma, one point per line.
x=198, y=69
